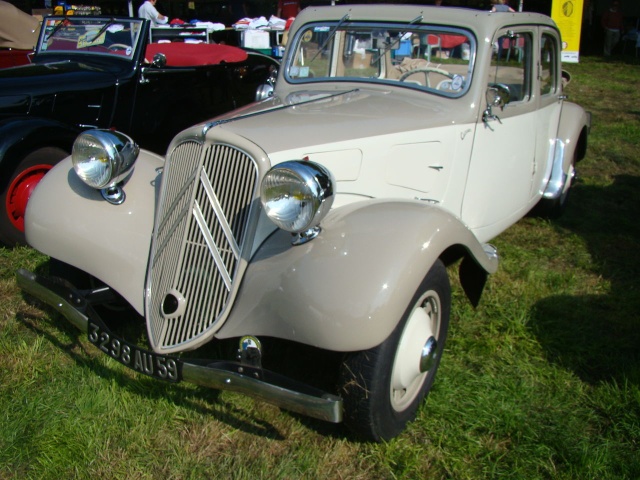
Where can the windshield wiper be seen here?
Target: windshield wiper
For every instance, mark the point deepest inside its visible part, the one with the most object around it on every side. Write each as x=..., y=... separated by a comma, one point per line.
x=63, y=23
x=102, y=30
x=330, y=36
x=397, y=40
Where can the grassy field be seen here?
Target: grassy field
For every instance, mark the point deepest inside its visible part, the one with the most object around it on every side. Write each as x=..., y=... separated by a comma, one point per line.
x=541, y=381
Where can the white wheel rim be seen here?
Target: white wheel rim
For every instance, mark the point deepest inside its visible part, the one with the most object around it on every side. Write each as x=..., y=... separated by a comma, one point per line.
x=407, y=378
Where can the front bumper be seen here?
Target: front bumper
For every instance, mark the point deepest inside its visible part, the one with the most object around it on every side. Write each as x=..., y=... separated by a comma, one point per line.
x=271, y=388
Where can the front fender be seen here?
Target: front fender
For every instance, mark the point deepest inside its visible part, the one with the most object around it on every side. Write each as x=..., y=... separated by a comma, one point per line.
x=347, y=289
x=71, y=222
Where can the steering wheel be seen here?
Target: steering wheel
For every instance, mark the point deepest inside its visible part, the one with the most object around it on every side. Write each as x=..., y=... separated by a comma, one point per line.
x=118, y=46
x=426, y=71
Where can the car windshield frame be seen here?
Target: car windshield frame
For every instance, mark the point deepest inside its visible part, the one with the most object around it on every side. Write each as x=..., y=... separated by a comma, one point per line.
x=384, y=53
x=103, y=36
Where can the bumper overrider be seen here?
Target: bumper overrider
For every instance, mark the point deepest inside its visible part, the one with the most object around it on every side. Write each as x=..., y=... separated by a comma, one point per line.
x=253, y=381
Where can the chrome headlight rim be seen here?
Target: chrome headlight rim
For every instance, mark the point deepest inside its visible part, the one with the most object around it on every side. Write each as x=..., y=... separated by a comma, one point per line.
x=102, y=158
x=297, y=194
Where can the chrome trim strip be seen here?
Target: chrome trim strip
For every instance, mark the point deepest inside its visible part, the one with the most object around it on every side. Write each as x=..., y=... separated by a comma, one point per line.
x=217, y=208
x=211, y=245
x=558, y=178
x=323, y=406
x=304, y=399
x=53, y=295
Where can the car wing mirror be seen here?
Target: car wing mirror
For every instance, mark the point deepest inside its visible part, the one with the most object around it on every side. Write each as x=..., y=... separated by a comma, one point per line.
x=497, y=95
x=265, y=90
x=159, y=60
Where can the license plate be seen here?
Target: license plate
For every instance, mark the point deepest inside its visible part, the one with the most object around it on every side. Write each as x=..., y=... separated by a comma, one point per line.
x=144, y=361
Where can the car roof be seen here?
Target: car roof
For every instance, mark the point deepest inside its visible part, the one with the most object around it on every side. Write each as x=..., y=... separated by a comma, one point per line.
x=483, y=23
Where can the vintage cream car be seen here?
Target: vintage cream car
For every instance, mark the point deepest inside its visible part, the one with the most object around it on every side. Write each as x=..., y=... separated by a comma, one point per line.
x=395, y=142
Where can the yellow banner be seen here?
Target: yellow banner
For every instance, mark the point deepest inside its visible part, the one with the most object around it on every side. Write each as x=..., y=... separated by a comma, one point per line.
x=568, y=16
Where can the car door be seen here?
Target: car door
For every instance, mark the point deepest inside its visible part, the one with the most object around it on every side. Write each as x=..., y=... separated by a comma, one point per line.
x=549, y=105
x=503, y=162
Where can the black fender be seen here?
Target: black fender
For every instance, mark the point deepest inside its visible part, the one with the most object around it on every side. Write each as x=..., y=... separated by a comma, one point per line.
x=21, y=136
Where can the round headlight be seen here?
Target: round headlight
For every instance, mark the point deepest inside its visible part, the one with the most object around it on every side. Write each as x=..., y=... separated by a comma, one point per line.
x=296, y=195
x=102, y=158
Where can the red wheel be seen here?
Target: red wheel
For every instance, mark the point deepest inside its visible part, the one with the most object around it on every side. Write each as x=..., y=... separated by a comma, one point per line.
x=16, y=194
x=19, y=192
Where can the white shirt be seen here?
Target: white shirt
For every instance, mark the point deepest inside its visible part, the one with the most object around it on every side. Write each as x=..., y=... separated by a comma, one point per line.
x=148, y=11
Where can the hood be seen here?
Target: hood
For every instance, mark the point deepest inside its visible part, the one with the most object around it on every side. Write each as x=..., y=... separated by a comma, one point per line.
x=307, y=117
x=19, y=86
x=60, y=75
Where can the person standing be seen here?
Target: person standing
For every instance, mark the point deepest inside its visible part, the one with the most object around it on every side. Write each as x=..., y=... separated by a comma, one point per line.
x=501, y=6
x=288, y=8
x=148, y=10
x=613, y=24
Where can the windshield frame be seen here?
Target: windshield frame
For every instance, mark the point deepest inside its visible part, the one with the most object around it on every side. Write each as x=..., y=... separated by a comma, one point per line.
x=85, y=35
x=387, y=54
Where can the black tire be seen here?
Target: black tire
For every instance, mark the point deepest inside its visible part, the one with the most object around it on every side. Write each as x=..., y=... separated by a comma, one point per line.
x=76, y=277
x=382, y=388
x=17, y=190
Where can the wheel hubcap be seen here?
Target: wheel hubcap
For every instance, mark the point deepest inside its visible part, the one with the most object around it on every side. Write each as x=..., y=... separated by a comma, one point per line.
x=428, y=358
x=416, y=353
x=19, y=192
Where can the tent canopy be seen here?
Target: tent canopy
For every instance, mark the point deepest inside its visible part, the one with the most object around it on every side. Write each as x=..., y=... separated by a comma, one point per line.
x=18, y=30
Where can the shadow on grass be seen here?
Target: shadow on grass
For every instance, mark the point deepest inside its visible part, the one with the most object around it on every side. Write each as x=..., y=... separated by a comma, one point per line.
x=598, y=336
x=182, y=396
x=315, y=367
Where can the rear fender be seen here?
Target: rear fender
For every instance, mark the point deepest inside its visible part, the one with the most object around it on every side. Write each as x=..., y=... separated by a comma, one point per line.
x=71, y=222
x=573, y=129
x=347, y=289
x=570, y=145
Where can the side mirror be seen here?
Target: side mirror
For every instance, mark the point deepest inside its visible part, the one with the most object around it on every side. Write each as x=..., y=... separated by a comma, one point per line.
x=498, y=95
x=159, y=60
x=266, y=89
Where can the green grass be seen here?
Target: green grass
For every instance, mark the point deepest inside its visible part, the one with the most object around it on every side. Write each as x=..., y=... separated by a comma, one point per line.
x=542, y=380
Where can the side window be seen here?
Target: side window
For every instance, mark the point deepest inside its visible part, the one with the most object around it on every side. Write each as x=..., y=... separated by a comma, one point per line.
x=548, y=64
x=511, y=64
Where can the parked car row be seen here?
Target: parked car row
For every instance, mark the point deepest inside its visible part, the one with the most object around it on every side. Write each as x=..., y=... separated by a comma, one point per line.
x=102, y=72
x=396, y=142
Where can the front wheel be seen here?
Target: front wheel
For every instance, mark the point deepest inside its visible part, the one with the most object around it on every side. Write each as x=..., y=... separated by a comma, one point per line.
x=15, y=195
x=382, y=387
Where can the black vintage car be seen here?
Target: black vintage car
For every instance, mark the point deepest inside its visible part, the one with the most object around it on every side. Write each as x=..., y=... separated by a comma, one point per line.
x=103, y=72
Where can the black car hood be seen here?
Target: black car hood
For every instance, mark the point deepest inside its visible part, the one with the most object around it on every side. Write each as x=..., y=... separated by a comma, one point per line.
x=54, y=77
x=35, y=89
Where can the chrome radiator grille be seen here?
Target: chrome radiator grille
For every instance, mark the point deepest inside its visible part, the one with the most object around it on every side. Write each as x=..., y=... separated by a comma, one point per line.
x=206, y=199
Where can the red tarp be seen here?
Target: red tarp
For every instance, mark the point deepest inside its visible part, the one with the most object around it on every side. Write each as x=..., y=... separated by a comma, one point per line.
x=195, y=54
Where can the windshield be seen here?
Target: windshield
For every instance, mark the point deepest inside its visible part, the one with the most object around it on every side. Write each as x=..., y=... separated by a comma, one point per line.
x=423, y=57
x=104, y=36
